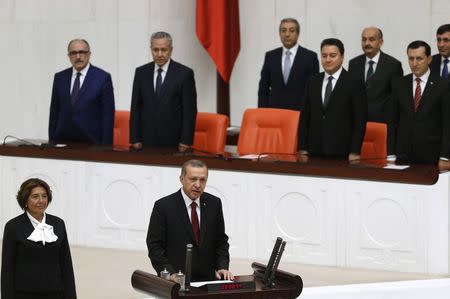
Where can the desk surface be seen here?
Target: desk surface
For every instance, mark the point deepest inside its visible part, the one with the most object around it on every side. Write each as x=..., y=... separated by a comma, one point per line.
x=371, y=170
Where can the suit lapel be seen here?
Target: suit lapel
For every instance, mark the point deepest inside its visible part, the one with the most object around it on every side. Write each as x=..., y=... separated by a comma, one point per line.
x=279, y=65
x=168, y=79
x=296, y=64
x=336, y=88
x=203, y=218
x=67, y=81
x=184, y=217
x=409, y=96
x=427, y=93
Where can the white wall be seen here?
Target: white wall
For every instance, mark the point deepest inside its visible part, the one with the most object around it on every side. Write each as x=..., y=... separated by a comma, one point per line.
x=34, y=36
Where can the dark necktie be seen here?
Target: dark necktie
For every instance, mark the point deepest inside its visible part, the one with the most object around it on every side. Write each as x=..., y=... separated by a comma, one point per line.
x=417, y=95
x=445, y=69
x=75, y=89
x=328, y=90
x=194, y=221
x=158, y=80
x=370, y=70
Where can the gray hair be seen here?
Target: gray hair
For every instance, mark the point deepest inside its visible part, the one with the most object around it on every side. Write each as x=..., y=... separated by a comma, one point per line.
x=291, y=20
x=162, y=34
x=79, y=40
x=192, y=163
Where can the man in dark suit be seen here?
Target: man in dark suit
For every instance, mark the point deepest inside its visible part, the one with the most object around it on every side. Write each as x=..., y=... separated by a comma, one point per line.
x=190, y=216
x=377, y=69
x=286, y=70
x=440, y=65
x=164, y=100
x=420, y=130
x=82, y=104
x=333, y=120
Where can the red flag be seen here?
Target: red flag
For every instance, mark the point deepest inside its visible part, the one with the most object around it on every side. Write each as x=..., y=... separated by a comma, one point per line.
x=217, y=27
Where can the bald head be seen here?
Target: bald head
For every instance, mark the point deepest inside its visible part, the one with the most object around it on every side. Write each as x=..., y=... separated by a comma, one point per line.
x=371, y=41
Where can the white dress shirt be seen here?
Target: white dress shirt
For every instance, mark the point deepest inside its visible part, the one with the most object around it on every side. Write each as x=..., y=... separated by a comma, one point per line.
x=333, y=82
x=187, y=202
x=164, y=68
x=423, y=82
x=42, y=232
x=82, y=76
x=375, y=59
x=293, y=51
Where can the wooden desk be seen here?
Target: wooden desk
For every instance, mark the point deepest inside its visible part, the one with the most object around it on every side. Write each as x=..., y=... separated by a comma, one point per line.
x=287, y=286
x=329, y=212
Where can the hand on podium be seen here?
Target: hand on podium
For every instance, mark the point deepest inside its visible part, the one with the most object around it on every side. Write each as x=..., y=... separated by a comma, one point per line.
x=224, y=274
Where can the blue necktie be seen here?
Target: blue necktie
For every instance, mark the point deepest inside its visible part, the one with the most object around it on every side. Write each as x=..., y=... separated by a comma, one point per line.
x=158, y=81
x=445, y=69
x=75, y=90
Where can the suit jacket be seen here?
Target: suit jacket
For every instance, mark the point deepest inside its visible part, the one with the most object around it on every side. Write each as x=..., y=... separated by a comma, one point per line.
x=337, y=129
x=166, y=118
x=435, y=67
x=170, y=230
x=31, y=267
x=273, y=92
x=379, y=86
x=422, y=136
x=91, y=118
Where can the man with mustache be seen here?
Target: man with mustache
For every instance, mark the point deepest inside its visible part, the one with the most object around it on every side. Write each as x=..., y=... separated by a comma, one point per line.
x=286, y=70
x=377, y=69
x=420, y=128
x=82, y=104
x=440, y=65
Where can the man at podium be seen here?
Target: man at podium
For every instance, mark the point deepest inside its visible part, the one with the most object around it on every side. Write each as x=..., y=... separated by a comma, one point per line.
x=190, y=216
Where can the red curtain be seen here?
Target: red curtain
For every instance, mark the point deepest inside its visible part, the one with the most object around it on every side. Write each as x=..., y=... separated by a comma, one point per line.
x=217, y=27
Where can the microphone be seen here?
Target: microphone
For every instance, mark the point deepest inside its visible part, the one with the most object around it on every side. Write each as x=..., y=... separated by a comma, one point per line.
x=270, y=282
x=269, y=267
x=188, y=267
x=26, y=142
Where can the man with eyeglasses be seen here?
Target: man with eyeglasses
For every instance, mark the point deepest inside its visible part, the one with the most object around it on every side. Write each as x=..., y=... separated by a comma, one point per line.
x=440, y=65
x=82, y=104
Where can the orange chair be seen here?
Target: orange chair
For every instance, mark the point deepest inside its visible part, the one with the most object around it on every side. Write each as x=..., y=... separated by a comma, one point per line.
x=268, y=130
x=374, y=143
x=121, y=128
x=210, y=132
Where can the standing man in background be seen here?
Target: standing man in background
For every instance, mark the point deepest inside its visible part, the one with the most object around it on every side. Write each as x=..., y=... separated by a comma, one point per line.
x=377, y=69
x=82, y=104
x=420, y=128
x=440, y=65
x=286, y=70
x=164, y=100
x=333, y=122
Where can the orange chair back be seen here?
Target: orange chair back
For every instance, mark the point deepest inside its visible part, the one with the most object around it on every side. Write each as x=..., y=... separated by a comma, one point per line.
x=122, y=128
x=210, y=132
x=268, y=130
x=374, y=143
